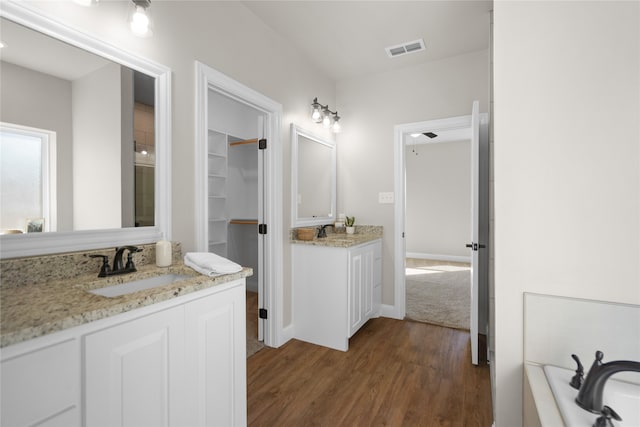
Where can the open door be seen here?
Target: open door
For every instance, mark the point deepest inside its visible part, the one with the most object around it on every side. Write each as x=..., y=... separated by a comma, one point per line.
x=474, y=246
x=262, y=146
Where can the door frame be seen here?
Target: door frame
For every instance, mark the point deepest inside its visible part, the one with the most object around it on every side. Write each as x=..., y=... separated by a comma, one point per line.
x=207, y=79
x=398, y=311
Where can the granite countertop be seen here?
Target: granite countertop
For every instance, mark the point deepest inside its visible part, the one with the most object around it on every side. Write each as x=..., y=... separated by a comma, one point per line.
x=364, y=234
x=33, y=310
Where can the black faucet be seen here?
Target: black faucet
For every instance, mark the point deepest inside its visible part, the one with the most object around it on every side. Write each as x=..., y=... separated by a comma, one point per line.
x=590, y=394
x=322, y=232
x=118, y=266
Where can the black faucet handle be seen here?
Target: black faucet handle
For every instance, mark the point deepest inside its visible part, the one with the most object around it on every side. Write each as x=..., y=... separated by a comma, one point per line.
x=130, y=265
x=605, y=420
x=105, y=269
x=577, y=379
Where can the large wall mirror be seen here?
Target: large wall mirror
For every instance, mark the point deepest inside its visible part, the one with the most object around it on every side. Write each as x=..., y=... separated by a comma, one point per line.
x=313, y=178
x=84, y=140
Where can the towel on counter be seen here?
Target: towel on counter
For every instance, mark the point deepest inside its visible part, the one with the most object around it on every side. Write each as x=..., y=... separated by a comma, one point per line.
x=210, y=264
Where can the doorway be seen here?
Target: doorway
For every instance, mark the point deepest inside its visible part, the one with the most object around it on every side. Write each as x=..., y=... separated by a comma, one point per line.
x=437, y=227
x=453, y=129
x=248, y=155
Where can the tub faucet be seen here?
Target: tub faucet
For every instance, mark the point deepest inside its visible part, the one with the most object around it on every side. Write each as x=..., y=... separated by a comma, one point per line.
x=590, y=394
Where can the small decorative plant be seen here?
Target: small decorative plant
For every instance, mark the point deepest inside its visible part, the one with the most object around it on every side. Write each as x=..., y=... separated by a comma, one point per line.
x=349, y=221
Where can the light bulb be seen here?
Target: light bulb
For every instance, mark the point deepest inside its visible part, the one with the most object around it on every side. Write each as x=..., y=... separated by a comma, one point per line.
x=316, y=116
x=326, y=120
x=140, y=21
x=336, y=125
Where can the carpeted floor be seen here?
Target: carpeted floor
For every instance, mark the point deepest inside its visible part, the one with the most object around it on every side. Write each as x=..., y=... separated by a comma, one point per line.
x=438, y=293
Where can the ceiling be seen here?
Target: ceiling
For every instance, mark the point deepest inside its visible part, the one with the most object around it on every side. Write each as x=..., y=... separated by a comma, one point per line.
x=347, y=39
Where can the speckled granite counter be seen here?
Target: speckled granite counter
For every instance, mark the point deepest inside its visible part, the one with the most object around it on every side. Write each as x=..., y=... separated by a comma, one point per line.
x=363, y=234
x=30, y=310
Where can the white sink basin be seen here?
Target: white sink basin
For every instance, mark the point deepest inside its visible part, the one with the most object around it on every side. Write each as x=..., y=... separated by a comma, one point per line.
x=623, y=397
x=138, y=285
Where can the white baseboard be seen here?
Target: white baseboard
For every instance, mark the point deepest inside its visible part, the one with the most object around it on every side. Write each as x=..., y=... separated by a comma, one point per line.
x=286, y=335
x=388, y=311
x=437, y=257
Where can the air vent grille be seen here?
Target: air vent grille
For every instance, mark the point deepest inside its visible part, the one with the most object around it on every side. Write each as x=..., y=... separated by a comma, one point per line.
x=405, y=48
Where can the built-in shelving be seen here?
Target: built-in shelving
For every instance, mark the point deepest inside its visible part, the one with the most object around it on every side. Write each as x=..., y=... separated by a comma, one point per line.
x=217, y=189
x=243, y=142
x=244, y=221
x=222, y=184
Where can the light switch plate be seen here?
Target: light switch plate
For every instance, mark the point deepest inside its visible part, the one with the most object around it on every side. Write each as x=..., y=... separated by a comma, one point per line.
x=386, y=198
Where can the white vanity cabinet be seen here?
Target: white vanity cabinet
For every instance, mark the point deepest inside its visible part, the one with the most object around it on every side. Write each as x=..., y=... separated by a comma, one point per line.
x=335, y=291
x=132, y=371
x=174, y=363
x=41, y=385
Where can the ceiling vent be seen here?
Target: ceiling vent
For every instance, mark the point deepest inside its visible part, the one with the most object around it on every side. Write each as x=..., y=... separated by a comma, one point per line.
x=405, y=48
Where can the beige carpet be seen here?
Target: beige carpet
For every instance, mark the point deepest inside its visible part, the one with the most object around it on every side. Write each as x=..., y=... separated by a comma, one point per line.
x=439, y=294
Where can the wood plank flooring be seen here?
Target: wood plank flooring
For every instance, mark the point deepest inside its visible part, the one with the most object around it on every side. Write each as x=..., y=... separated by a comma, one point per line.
x=396, y=373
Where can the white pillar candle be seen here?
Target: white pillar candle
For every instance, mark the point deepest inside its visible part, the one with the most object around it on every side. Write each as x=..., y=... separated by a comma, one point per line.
x=163, y=253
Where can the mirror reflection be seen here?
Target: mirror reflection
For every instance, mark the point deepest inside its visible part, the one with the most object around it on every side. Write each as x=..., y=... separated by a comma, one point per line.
x=77, y=138
x=314, y=178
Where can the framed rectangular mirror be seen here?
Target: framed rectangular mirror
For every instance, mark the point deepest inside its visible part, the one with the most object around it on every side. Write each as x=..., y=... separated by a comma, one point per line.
x=102, y=116
x=313, y=178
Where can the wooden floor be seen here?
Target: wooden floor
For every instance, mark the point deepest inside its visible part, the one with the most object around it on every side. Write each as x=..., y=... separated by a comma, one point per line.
x=396, y=373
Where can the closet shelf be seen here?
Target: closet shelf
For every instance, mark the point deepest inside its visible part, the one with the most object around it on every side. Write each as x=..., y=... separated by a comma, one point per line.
x=244, y=221
x=247, y=141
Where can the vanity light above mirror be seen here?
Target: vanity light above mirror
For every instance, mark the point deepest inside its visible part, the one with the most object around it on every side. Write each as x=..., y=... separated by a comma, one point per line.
x=322, y=114
x=313, y=178
x=19, y=245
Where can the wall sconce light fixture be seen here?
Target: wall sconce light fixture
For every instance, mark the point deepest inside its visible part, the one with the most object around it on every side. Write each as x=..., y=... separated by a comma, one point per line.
x=139, y=19
x=321, y=114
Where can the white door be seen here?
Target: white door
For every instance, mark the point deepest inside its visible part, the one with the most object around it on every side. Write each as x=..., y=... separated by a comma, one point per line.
x=475, y=226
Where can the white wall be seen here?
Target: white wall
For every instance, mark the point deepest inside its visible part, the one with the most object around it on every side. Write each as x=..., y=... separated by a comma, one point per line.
x=34, y=99
x=438, y=199
x=230, y=38
x=371, y=106
x=567, y=162
x=97, y=147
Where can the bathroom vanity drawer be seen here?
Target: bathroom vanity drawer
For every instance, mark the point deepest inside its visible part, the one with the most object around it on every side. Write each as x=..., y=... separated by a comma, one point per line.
x=42, y=386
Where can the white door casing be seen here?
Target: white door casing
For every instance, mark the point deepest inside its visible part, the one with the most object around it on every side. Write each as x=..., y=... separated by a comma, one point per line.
x=270, y=244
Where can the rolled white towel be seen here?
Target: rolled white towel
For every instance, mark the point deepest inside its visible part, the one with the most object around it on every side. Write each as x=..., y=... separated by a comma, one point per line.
x=210, y=264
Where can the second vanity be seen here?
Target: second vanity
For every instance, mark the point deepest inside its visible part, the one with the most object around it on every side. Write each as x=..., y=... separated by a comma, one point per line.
x=172, y=355
x=337, y=286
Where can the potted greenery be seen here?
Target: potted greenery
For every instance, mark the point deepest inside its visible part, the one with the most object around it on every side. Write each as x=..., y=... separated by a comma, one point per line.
x=349, y=221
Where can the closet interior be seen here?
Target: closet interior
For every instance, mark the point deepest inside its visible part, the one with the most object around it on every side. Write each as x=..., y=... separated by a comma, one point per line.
x=234, y=130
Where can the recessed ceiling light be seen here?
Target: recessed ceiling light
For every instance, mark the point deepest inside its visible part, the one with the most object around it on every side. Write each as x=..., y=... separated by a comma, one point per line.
x=415, y=135
x=2, y=44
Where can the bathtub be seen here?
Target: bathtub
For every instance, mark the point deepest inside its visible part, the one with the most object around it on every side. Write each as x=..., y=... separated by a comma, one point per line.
x=623, y=397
